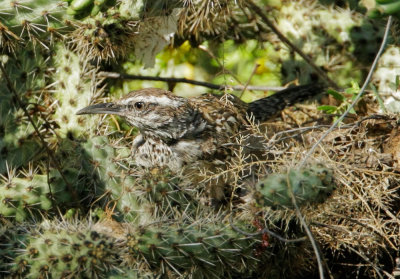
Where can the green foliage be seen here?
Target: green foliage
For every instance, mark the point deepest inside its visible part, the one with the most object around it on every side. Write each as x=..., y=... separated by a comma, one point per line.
x=241, y=60
x=382, y=8
x=308, y=185
x=345, y=101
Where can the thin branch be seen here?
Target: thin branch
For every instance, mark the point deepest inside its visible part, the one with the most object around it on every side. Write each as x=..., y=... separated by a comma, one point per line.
x=366, y=82
x=49, y=151
x=285, y=40
x=366, y=259
x=249, y=79
x=190, y=81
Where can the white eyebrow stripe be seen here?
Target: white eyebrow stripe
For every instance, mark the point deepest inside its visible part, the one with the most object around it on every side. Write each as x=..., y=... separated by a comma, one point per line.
x=161, y=100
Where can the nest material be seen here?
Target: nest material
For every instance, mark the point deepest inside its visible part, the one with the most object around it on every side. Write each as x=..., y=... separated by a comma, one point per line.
x=360, y=216
x=357, y=227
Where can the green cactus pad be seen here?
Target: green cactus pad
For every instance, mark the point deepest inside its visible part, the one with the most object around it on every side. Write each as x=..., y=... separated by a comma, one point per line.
x=32, y=21
x=308, y=185
x=18, y=140
x=165, y=193
x=210, y=251
x=101, y=165
x=19, y=197
x=60, y=252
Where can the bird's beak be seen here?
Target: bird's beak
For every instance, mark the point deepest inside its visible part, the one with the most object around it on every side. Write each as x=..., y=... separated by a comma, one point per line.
x=103, y=108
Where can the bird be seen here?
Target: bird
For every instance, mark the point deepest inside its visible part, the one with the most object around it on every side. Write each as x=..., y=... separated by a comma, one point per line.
x=177, y=131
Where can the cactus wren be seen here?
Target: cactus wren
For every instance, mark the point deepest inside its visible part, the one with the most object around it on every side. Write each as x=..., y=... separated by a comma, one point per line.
x=175, y=131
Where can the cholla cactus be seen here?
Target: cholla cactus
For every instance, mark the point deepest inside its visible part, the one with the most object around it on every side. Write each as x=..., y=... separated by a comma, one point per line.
x=111, y=34
x=349, y=40
x=29, y=20
x=128, y=26
x=30, y=76
x=20, y=197
x=62, y=249
x=75, y=85
x=205, y=249
x=308, y=185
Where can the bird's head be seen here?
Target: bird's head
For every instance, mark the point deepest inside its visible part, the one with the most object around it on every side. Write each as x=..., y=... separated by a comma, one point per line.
x=153, y=111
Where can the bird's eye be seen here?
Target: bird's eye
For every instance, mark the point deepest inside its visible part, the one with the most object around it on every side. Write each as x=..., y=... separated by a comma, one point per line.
x=139, y=105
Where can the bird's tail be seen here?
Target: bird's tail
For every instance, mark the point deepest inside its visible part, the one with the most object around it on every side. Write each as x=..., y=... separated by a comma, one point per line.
x=267, y=107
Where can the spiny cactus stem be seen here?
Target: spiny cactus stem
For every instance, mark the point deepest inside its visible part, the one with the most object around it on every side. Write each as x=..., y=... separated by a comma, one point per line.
x=49, y=152
x=263, y=231
x=317, y=69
